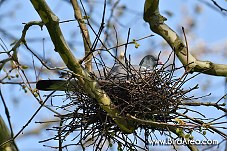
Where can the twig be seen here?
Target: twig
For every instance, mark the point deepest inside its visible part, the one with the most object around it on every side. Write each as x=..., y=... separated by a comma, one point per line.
x=205, y=124
x=221, y=8
x=36, y=112
x=218, y=106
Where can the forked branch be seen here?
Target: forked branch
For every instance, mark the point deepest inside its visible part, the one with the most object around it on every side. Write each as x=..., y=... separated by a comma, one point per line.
x=157, y=25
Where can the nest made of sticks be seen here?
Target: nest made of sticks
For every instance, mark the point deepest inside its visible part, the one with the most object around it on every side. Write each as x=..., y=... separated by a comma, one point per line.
x=146, y=95
x=150, y=95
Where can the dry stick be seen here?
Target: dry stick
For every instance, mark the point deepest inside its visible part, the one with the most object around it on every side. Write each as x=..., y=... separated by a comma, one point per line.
x=185, y=38
x=97, y=38
x=19, y=42
x=59, y=135
x=224, y=96
x=218, y=106
x=127, y=63
x=19, y=82
x=44, y=57
x=208, y=4
x=221, y=8
x=22, y=40
x=210, y=122
x=116, y=51
x=108, y=22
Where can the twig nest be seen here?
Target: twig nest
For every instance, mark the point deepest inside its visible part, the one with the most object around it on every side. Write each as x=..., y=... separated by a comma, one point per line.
x=148, y=95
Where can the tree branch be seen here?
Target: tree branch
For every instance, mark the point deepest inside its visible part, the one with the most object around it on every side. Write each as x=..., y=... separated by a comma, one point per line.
x=157, y=25
x=218, y=106
x=85, y=34
x=172, y=127
x=5, y=136
x=90, y=86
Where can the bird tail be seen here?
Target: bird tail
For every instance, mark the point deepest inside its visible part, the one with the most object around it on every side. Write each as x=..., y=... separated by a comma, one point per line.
x=52, y=85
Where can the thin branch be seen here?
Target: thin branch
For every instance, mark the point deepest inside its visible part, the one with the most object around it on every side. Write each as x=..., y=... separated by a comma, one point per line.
x=221, y=8
x=5, y=134
x=218, y=106
x=6, y=112
x=207, y=3
x=207, y=125
x=85, y=34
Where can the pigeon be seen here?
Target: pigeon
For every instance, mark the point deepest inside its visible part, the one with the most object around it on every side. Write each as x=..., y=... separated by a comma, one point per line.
x=119, y=72
x=147, y=64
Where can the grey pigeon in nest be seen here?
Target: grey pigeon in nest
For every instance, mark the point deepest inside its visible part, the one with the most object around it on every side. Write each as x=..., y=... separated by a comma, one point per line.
x=122, y=72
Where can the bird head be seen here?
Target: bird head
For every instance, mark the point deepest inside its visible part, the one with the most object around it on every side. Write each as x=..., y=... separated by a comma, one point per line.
x=149, y=61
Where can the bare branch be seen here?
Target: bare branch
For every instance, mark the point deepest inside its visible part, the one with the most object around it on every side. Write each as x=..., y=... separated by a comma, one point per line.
x=221, y=8
x=85, y=34
x=157, y=25
x=218, y=106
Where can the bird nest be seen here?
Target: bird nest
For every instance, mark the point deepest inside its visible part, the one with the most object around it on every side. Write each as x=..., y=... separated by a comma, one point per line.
x=146, y=95
x=149, y=95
